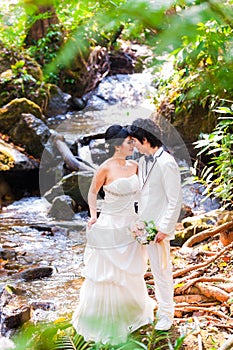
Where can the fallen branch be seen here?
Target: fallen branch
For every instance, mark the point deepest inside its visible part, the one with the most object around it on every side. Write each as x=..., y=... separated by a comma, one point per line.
x=201, y=265
x=199, y=237
x=74, y=163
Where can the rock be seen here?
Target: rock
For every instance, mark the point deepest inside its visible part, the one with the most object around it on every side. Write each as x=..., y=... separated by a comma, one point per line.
x=12, y=290
x=189, y=231
x=6, y=195
x=32, y=133
x=16, y=317
x=44, y=305
x=62, y=208
x=78, y=103
x=7, y=254
x=11, y=113
x=59, y=102
x=36, y=273
x=76, y=185
x=21, y=161
x=20, y=76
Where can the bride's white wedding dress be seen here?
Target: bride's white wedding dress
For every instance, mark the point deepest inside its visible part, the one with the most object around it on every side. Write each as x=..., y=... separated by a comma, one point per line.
x=113, y=298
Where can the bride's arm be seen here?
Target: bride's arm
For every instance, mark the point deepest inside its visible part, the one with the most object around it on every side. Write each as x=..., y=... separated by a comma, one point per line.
x=97, y=182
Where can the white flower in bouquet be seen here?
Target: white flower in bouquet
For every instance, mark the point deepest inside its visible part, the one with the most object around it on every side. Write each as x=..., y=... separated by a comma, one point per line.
x=144, y=231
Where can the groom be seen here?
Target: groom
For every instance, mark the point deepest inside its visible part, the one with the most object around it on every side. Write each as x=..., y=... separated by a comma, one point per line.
x=160, y=200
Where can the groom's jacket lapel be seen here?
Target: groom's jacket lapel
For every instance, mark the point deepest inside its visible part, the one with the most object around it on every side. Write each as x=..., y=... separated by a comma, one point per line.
x=141, y=165
x=149, y=173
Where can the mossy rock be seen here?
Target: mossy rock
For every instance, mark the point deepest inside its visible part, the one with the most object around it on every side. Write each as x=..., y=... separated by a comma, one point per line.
x=10, y=57
x=76, y=185
x=11, y=113
x=20, y=76
x=182, y=236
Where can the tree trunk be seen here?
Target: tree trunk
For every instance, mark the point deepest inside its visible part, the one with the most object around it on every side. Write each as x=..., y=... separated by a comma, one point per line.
x=39, y=28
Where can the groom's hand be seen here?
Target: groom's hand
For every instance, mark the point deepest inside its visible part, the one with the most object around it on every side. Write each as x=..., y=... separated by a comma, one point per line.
x=160, y=237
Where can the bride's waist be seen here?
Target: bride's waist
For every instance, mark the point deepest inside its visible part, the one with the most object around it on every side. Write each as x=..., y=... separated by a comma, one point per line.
x=111, y=208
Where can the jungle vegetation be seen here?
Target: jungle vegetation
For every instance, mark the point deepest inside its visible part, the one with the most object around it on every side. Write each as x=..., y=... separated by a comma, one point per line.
x=196, y=35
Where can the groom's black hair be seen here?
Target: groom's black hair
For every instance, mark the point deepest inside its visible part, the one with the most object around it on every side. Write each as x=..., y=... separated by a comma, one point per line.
x=146, y=129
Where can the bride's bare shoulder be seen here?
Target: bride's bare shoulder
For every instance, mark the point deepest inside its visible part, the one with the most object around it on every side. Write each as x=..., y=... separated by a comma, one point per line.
x=106, y=164
x=133, y=163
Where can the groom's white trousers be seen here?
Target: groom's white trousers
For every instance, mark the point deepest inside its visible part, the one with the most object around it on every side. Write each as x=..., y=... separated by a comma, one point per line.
x=161, y=267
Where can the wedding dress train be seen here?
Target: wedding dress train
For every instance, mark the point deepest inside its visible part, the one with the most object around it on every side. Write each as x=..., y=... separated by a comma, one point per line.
x=113, y=298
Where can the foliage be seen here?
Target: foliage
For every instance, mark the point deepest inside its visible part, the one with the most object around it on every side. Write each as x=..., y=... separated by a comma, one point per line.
x=12, y=24
x=218, y=174
x=6, y=161
x=21, y=77
x=45, y=49
x=202, y=70
x=61, y=335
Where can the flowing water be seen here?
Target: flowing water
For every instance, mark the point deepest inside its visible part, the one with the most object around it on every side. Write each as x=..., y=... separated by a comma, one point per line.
x=36, y=240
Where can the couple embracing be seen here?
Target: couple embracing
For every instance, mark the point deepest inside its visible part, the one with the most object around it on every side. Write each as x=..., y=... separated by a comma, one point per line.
x=113, y=298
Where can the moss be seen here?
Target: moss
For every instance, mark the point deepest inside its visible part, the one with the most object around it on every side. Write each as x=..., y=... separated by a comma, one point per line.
x=6, y=161
x=20, y=76
x=11, y=113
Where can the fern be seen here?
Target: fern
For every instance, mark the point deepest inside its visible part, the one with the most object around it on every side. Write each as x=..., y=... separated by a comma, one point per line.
x=76, y=342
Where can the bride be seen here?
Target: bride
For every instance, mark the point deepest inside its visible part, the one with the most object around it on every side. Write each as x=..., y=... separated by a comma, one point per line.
x=113, y=298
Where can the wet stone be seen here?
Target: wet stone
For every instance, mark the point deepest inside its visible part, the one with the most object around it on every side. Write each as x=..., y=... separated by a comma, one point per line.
x=44, y=305
x=62, y=208
x=7, y=254
x=16, y=317
x=36, y=273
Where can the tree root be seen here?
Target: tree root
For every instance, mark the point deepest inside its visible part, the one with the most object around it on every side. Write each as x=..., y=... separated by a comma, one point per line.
x=206, y=234
x=202, y=309
x=228, y=344
x=202, y=265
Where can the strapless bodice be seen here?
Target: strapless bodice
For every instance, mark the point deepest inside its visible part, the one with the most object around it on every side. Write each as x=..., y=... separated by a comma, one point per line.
x=120, y=195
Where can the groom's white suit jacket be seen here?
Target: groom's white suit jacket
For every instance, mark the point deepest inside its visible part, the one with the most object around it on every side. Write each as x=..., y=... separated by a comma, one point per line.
x=160, y=198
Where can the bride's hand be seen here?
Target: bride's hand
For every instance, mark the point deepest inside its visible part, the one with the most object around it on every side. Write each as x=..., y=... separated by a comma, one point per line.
x=91, y=221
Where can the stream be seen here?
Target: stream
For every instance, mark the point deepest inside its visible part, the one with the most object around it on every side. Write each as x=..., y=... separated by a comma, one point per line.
x=36, y=240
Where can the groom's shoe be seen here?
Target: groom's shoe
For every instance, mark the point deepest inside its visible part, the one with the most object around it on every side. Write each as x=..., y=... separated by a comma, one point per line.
x=163, y=324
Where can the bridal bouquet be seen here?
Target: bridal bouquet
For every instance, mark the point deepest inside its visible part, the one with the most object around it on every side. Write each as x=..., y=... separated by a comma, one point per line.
x=144, y=231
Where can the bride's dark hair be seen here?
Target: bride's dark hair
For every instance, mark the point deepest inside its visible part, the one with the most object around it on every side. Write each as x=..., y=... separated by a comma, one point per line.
x=115, y=136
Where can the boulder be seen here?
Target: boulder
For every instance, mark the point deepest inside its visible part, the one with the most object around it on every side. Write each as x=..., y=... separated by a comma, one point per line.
x=11, y=113
x=76, y=185
x=36, y=273
x=58, y=101
x=19, y=160
x=16, y=317
x=7, y=254
x=20, y=76
x=32, y=133
x=62, y=208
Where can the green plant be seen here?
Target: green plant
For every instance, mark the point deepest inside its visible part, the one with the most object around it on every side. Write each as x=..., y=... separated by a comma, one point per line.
x=60, y=335
x=217, y=176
